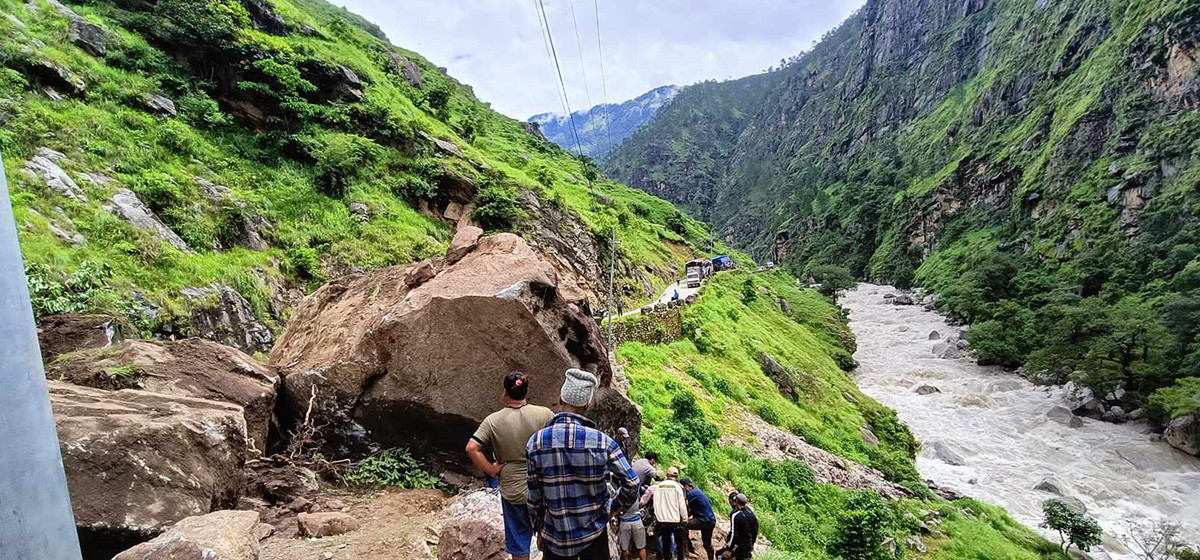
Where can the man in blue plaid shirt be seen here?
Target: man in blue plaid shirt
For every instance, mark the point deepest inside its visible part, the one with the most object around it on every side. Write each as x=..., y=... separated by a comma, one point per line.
x=566, y=463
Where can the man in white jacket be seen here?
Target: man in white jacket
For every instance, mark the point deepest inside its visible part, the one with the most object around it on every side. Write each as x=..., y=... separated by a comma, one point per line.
x=670, y=510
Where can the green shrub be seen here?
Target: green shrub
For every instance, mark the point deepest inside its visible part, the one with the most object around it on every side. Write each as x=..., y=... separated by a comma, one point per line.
x=832, y=279
x=303, y=262
x=767, y=413
x=496, y=207
x=1172, y=402
x=749, y=291
x=862, y=526
x=81, y=291
x=341, y=158
x=688, y=426
x=393, y=467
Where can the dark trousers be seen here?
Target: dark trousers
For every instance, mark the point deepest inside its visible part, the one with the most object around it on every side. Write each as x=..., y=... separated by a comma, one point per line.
x=597, y=550
x=673, y=531
x=744, y=556
x=706, y=531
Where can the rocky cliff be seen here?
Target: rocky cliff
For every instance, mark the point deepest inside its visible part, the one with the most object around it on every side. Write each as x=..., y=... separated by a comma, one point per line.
x=1001, y=152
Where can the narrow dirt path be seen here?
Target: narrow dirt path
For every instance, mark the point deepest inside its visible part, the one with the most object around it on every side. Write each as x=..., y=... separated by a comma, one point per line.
x=396, y=525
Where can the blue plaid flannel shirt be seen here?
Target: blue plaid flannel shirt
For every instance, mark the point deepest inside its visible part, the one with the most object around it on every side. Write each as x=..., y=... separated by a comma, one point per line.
x=566, y=464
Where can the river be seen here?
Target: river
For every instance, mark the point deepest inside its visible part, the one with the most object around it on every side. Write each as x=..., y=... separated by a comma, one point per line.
x=993, y=424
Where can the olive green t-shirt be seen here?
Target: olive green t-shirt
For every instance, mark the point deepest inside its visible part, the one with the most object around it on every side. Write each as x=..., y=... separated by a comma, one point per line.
x=507, y=431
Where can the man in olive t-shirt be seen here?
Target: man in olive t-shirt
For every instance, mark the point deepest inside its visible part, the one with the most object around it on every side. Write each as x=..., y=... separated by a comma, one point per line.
x=507, y=431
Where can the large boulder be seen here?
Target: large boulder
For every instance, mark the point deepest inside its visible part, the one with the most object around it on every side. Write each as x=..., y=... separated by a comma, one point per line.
x=778, y=374
x=220, y=535
x=138, y=461
x=126, y=205
x=473, y=529
x=88, y=36
x=44, y=165
x=325, y=524
x=63, y=334
x=1064, y=416
x=1183, y=433
x=406, y=69
x=192, y=367
x=414, y=355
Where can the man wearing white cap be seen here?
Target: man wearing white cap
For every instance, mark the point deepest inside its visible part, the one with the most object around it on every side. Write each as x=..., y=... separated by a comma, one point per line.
x=566, y=466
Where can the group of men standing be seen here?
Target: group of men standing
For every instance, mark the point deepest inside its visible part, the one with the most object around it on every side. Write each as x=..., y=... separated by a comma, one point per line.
x=563, y=480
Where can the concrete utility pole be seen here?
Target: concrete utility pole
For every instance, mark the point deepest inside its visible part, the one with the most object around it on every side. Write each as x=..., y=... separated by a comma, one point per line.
x=36, y=522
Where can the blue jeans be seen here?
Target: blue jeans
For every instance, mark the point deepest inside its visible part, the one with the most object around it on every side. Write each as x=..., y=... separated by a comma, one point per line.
x=518, y=529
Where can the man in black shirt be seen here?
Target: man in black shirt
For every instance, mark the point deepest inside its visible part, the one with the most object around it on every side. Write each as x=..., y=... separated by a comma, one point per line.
x=743, y=531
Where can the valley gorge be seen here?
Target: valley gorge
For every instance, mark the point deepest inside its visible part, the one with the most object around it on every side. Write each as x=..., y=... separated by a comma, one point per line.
x=280, y=265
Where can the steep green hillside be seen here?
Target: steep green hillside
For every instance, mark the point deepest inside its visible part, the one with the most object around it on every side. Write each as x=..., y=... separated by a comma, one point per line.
x=681, y=156
x=1035, y=163
x=268, y=146
x=698, y=394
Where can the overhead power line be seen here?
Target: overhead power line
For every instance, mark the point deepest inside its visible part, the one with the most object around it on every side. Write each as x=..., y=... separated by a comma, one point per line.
x=579, y=46
x=558, y=70
x=603, y=81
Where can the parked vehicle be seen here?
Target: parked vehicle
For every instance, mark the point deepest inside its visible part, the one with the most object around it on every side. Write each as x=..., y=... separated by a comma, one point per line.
x=696, y=271
x=722, y=262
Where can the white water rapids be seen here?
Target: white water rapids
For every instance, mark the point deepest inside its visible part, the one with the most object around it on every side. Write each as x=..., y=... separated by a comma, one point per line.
x=995, y=421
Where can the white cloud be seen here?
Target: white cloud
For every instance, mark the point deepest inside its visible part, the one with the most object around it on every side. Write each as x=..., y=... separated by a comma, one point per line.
x=496, y=45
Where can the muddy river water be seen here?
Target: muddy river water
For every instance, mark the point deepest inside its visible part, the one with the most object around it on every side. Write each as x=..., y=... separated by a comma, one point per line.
x=986, y=434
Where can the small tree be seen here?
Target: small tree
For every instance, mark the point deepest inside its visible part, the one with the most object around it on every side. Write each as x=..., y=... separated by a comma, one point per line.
x=1074, y=527
x=832, y=279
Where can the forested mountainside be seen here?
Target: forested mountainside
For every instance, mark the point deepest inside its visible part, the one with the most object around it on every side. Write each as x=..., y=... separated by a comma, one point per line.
x=198, y=165
x=1033, y=162
x=682, y=156
x=623, y=120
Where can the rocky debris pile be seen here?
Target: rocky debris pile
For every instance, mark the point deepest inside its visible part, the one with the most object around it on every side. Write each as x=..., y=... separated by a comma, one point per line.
x=413, y=355
x=193, y=368
x=220, y=313
x=138, y=461
x=63, y=334
x=770, y=442
x=221, y=535
x=325, y=524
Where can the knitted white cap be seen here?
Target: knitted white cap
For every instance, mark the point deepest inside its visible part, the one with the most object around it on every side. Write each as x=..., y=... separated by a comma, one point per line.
x=578, y=388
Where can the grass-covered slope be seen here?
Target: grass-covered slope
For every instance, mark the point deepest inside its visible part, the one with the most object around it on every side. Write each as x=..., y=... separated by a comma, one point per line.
x=696, y=393
x=1036, y=163
x=301, y=147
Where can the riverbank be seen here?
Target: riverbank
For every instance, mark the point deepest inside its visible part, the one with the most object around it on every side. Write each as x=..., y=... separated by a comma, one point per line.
x=986, y=431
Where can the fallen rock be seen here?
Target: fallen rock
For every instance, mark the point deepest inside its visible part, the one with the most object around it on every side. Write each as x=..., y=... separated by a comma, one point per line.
x=902, y=299
x=934, y=335
x=1050, y=484
x=945, y=453
x=221, y=535
x=127, y=206
x=220, y=313
x=1115, y=415
x=947, y=351
x=45, y=166
x=465, y=240
x=1183, y=433
x=360, y=209
x=785, y=307
x=868, y=436
x=1064, y=416
x=325, y=524
x=265, y=18
x=138, y=461
x=56, y=77
x=443, y=145
x=88, y=36
x=192, y=367
x=1073, y=503
x=63, y=334
x=926, y=390
x=473, y=529
x=396, y=364
x=159, y=105
x=349, y=86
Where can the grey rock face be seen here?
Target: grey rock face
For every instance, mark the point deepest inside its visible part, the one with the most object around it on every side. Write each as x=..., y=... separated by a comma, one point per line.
x=1183, y=433
x=225, y=316
x=227, y=535
x=407, y=69
x=88, y=36
x=927, y=390
x=160, y=105
x=126, y=205
x=45, y=165
x=1050, y=484
x=1064, y=416
x=945, y=453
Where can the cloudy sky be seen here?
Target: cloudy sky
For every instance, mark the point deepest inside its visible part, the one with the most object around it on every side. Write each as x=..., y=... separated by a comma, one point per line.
x=497, y=46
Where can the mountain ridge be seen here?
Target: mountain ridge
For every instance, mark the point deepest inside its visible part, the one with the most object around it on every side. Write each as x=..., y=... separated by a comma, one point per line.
x=595, y=139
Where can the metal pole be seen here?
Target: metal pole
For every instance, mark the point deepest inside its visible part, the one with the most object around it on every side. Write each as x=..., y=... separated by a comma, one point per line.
x=612, y=266
x=36, y=522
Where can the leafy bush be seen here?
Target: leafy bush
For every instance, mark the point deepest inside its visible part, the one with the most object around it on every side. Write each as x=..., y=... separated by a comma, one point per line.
x=341, y=158
x=832, y=279
x=676, y=224
x=862, y=526
x=1172, y=402
x=767, y=413
x=688, y=426
x=496, y=207
x=52, y=294
x=1074, y=527
x=749, y=292
x=393, y=467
